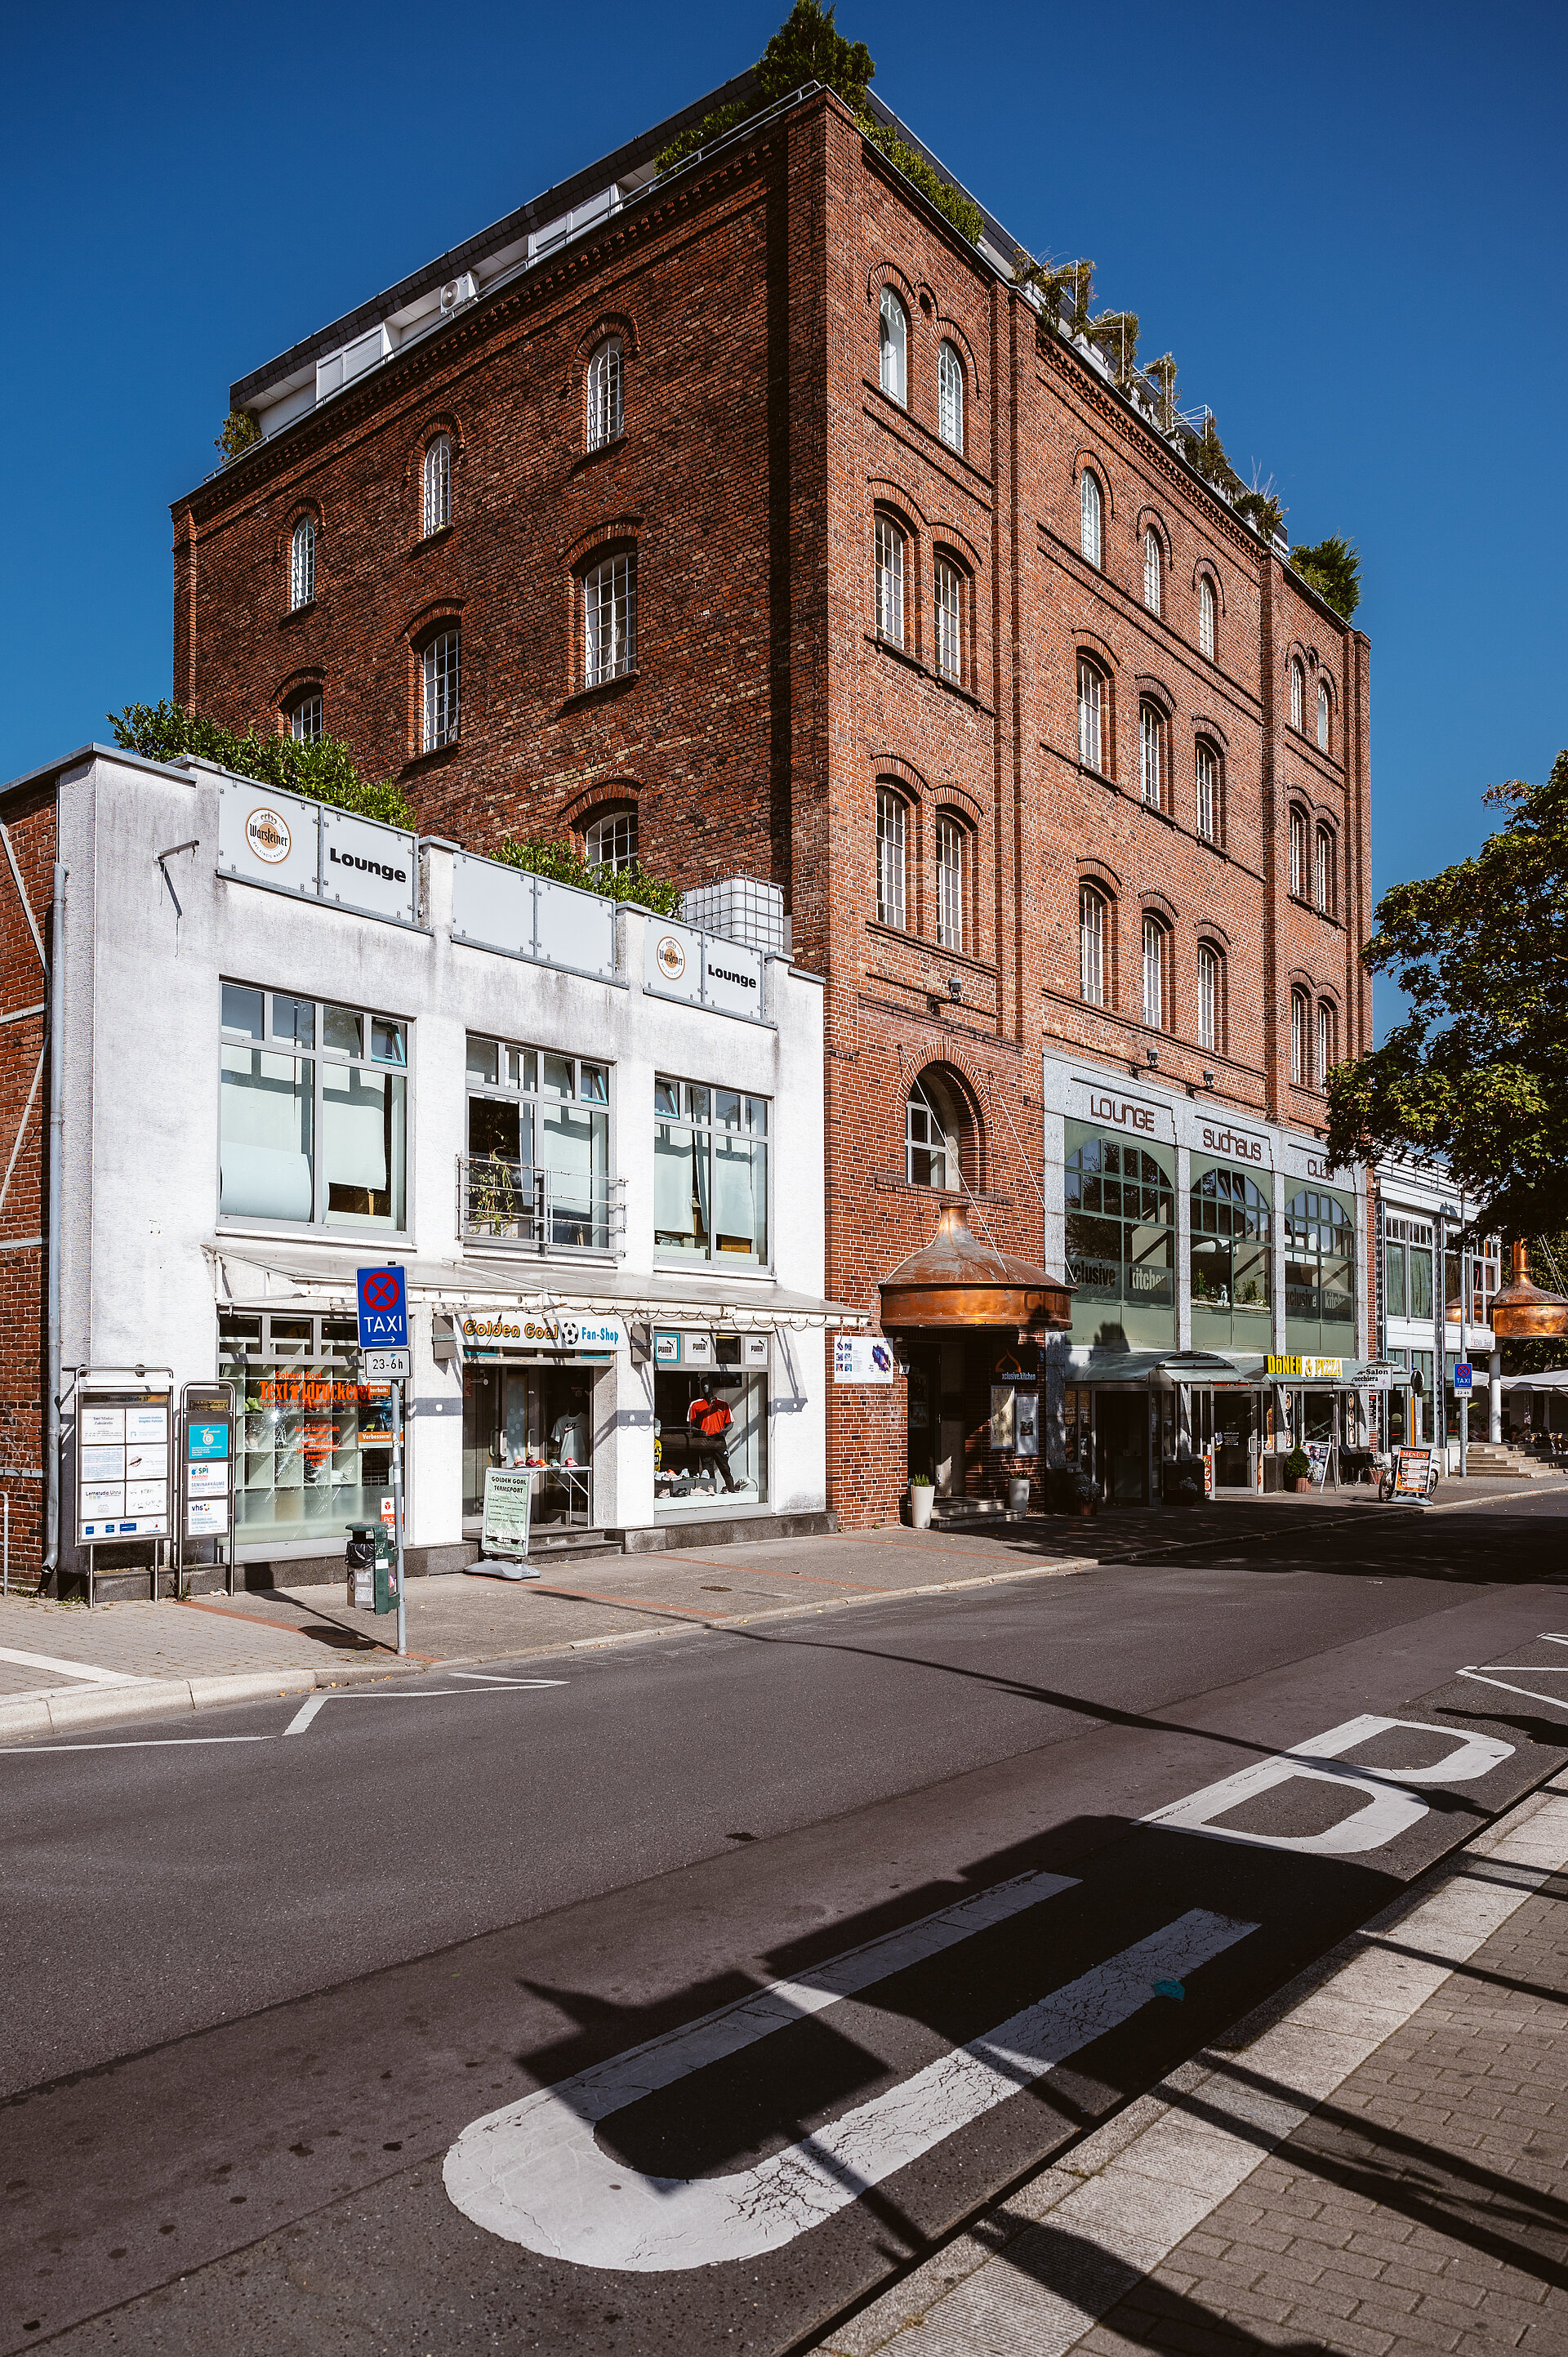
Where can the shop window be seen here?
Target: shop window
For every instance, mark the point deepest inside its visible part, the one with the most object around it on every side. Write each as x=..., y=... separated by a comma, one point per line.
x=1320, y=1272
x=313, y=1447
x=1230, y=1260
x=536, y=1416
x=949, y=396
x=938, y=1133
x=313, y=1112
x=1120, y=1241
x=709, y=1173
x=893, y=347
x=537, y=1165
x=710, y=1431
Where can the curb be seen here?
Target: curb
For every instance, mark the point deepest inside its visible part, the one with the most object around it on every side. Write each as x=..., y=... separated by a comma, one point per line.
x=57, y=1714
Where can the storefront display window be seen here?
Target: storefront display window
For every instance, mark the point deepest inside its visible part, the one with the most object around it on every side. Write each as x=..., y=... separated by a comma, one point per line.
x=515, y=1416
x=1230, y=1254
x=709, y=1173
x=315, y=1449
x=537, y=1168
x=313, y=1112
x=1320, y=1274
x=710, y=1433
x=1121, y=1242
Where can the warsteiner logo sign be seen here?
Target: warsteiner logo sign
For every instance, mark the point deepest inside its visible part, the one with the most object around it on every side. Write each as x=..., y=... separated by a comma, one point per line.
x=267, y=833
x=671, y=958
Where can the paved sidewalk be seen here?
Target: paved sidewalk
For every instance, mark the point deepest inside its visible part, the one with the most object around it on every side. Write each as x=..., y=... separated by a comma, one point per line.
x=1380, y=2169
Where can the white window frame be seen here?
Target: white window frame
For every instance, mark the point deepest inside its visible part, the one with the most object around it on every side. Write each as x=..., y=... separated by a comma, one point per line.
x=1208, y=618
x=1090, y=701
x=1327, y=1052
x=892, y=857
x=441, y=685
x=953, y=838
x=890, y=540
x=708, y=1115
x=1151, y=755
x=1091, y=518
x=302, y=564
x=1157, y=989
x=1297, y=852
x=1323, y=872
x=307, y=720
x=610, y=841
x=949, y=604
x=893, y=348
x=1298, y=694
x=280, y=1040
x=609, y=619
x=1206, y=774
x=1301, y=1040
x=1321, y=717
x=436, y=512
x=1153, y=572
x=1093, y=910
x=605, y=396
x=950, y=395
x=1208, y=997
x=925, y=1133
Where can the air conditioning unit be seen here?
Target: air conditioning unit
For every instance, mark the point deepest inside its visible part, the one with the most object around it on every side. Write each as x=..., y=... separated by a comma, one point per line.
x=459, y=291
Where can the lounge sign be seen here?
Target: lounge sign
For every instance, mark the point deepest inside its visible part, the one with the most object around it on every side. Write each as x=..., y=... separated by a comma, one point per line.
x=703, y=968
x=290, y=844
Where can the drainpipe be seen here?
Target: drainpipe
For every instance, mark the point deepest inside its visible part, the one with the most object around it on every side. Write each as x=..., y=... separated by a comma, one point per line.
x=56, y=1139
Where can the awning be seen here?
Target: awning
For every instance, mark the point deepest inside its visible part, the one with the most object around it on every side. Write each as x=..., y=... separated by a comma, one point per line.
x=281, y=1277
x=1163, y=1370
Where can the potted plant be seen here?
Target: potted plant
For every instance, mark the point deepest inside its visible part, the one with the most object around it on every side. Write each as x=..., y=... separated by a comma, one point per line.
x=1184, y=1481
x=922, y=1493
x=1298, y=1470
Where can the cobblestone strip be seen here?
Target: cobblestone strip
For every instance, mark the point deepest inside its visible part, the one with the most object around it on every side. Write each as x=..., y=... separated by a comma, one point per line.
x=1380, y=2169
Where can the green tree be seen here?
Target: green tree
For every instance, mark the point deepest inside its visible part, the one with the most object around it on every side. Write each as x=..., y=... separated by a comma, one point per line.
x=240, y=433
x=1476, y=1075
x=322, y=772
x=808, y=47
x=1333, y=568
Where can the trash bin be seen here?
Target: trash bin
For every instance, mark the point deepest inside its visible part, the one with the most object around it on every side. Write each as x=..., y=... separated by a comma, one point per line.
x=362, y=1566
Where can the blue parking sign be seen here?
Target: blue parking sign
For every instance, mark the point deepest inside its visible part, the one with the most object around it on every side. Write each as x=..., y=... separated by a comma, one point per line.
x=384, y=1310
x=1463, y=1375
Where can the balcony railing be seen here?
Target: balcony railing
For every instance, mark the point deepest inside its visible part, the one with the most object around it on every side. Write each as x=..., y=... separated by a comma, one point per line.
x=500, y=1201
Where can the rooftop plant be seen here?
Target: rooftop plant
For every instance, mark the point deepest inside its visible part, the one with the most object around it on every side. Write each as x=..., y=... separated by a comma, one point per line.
x=562, y=865
x=240, y=433
x=1333, y=568
x=322, y=772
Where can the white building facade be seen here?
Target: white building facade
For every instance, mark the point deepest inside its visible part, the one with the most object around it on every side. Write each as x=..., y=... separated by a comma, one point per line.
x=1432, y=1306
x=295, y=1043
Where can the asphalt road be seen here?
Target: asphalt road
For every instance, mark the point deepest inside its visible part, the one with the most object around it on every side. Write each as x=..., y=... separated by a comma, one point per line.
x=282, y=1999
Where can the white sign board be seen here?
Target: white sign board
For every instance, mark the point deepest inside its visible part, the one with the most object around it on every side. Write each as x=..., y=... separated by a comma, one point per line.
x=541, y=1329
x=268, y=838
x=498, y=907
x=387, y=1366
x=369, y=867
x=703, y=969
x=122, y=1469
x=862, y=1359
x=508, y=1507
x=732, y=977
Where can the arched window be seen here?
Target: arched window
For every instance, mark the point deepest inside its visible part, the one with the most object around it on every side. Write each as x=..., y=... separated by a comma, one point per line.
x=1154, y=595
x=1090, y=538
x=441, y=669
x=949, y=396
x=1323, y=872
x=1090, y=697
x=1210, y=997
x=1232, y=1227
x=1093, y=929
x=890, y=856
x=302, y=564
x=306, y=720
x=1320, y=1266
x=437, y=503
x=1322, y=715
x=889, y=581
x=1152, y=755
x=938, y=1131
x=1298, y=853
x=952, y=882
x=1297, y=692
x=605, y=423
x=610, y=841
x=1157, y=974
x=1328, y=1042
x=1205, y=771
x=1301, y=1038
x=950, y=620
x=1121, y=1240
x=1206, y=619
x=609, y=619
x=894, y=359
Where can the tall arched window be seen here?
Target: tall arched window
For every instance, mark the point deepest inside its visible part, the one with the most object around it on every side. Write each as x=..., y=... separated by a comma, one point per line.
x=1152, y=754
x=609, y=619
x=938, y=1131
x=1301, y=1038
x=1093, y=926
x=301, y=563
x=1206, y=619
x=949, y=396
x=307, y=718
x=1328, y=1042
x=952, y=882
x=1205, y=771
x=1320, y=1268
x=610, y=841
x=1297, y=692
x=437, y=501
x=1323, y=872
x=1090, y=537
x=1210, y=997
x=1233, y=1228
x=1157, y=974
x=441, y=669
x=604, y=419
x=1091, y=696
x=1322, y=715
x=894, y=357
x=891, y=858
x=1154, y=595
x=1298, y=853
x=889, y=581
x=949, y=619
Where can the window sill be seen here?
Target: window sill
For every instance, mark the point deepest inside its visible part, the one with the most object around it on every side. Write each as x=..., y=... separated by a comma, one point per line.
x=305, y=1232
x=1325, y=916
x=937, y=678
x=605, y=450
x=601, y=687
x=430, y=540
x=432, y=759
x=298, y=614
x=900, y=654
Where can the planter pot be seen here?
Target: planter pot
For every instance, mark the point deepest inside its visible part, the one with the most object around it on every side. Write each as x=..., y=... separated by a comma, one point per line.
x=923, y=1496
x=1303, y=1487
x=1086, y=1507
x=1018, y=1497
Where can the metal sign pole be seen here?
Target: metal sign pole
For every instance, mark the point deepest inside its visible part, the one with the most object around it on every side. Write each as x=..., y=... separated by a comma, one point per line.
x=1463, y=1396
x=397, y=1511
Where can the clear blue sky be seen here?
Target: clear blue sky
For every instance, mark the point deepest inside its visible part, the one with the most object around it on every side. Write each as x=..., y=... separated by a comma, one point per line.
x=1346, y=222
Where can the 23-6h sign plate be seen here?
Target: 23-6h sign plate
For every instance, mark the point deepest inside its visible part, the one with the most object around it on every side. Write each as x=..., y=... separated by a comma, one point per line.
x=386, y=1366
x=384, y=1310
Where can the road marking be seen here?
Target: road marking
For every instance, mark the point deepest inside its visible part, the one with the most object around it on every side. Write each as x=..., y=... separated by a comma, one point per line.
x=139, y=1743
x=492, y=1678
x=305, y=1713
x=1553, y=1702
x=84, y=1670
x=487, y=1685
x=533, y=2173
x=1389, y=1810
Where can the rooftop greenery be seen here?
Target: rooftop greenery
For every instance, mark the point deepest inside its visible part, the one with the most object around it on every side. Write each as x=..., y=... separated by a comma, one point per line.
x=562, y=865
x=322, y=772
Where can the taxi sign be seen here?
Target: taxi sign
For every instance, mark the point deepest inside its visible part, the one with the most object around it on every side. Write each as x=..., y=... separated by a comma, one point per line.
x=1464, y=1376
x=384, y=1310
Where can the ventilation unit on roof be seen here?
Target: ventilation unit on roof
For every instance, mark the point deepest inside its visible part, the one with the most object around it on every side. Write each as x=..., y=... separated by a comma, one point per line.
x=341, y=367
x=459, y=291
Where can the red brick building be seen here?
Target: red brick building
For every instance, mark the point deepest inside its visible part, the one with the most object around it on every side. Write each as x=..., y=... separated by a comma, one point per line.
x=756, y=503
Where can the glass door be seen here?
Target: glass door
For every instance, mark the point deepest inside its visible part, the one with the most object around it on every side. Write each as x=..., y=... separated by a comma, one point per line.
x=1235, y=1439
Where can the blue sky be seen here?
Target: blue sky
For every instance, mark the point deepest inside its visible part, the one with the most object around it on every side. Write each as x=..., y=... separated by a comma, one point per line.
x=1347, y=222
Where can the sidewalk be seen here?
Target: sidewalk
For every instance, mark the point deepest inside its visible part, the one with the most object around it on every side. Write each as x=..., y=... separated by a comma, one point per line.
x=1380, y=2168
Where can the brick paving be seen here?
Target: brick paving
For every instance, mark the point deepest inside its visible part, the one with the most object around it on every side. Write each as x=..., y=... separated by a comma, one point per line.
x=156, y=1640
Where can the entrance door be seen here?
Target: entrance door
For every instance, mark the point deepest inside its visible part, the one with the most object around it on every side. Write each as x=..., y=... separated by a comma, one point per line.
x=483, y=1437
x=1122, y=1432
x=1235, y=1439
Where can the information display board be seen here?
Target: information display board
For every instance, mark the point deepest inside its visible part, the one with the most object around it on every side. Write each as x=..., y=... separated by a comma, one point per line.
x=206, y=1504
x=122, y=1464
x=509, y=1511
x=1413, y=1473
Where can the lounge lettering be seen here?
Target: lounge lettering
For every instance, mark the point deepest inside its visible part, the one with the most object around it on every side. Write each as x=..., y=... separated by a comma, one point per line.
x=1125, y=1115
x=368, y=867
x=727, y=973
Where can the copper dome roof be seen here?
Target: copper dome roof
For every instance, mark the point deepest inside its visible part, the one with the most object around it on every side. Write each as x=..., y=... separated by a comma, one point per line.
x=955, y=1280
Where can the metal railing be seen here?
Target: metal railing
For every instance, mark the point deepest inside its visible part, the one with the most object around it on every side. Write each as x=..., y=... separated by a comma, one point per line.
x=522, y=1202
x=562, y=1498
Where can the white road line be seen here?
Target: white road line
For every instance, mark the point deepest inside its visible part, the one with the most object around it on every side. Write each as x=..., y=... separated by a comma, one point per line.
x=138, y=1743
x=84, y=1670
x=1555, y=1702
x=492, y=1678
x=305, y=1713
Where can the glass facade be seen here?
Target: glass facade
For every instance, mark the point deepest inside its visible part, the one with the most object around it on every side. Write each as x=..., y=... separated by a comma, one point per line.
x=709, y=1173
x=539, y=1145
x=314, y=1450
x=1120, y=1241
x=1231, y=1256
x=313, y=1103
x=710, y=1433
x=1320, y=1274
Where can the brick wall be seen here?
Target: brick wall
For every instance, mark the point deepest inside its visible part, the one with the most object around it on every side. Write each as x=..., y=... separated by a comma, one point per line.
x=759, y=449
x=28, y=819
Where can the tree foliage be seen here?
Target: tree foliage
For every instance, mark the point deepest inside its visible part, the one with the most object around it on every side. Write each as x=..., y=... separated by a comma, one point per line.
x=240, y=433
x=562, y=865
x=322, y=772
x=1476, y=1075
x=1333, y=568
